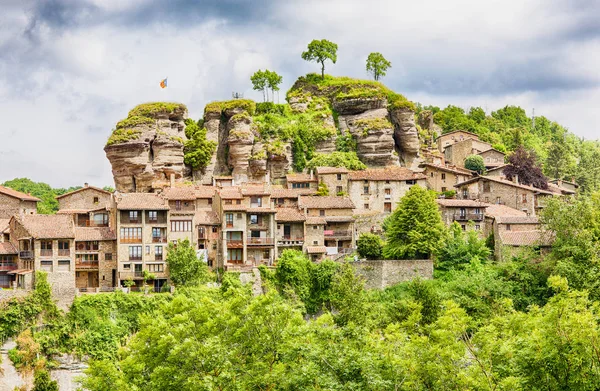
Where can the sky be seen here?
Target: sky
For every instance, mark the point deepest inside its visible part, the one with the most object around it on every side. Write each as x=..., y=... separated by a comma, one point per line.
x=71, y=69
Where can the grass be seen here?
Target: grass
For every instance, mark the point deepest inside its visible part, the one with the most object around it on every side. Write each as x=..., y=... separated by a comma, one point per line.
x=123, y=135
x=368, y=124
x=134, y=121
x=219, y=107
x=153, y=108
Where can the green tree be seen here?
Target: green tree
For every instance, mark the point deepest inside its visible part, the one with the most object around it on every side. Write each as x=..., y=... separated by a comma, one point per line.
x=475, y=163
x=415, y=229
x=348, y=296
x=197, y=149
x=321, y=51
x=273, y=82
x=369, y=246
x=461, y=249
x=42, y=382
x=322, y=190
x=185, y=268
x=337, y=159
x=559, y=162
x=377, y=65
x=260, y=83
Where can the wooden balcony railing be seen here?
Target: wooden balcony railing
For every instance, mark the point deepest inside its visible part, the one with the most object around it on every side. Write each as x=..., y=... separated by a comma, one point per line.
x=131, y=240
x=235, y=243
x=337, y=234
x=91, y=223
x=468, y=216
x=159, y=239
x=288, y=240
x=7, y=266
x=26, y=254
x=46, y=252
x=135, y=258
x=260, y=241
x=64, y=252
x=82, y=264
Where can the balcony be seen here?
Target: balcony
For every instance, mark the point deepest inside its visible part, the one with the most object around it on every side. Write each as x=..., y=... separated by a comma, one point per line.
x=26, y=254
x=7, y=266
x=337, y=234
x=92, y=223
x=287, y=240
x=135, y=258
x=131, y=240
x=202, y=235
x=127, y=275
x=468, y=216
x=235, y=244
x=260, y=242
x=64, y=252
x=85, y=265
x=158, y=257
x=159, y=239
x=45, y=252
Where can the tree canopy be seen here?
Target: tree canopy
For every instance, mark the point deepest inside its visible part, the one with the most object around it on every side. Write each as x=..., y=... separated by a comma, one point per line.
x=475, y=163
x=524, y=165
x=377, y=65
x=185, y=268
x=321, y=51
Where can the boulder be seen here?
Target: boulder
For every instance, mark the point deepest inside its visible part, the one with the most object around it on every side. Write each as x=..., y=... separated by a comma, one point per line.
x=406, y=135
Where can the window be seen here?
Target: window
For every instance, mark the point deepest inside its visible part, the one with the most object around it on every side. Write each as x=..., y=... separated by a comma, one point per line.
x=338, y=189
x=443, y=175
x=135, y=253
x=256, y=201
x=498, y=200
x=444, y=189
x=280, y=201
x=238, y=216
x=86, y=257
x=127, y=266
x=387, y=207
x=152, y=216
x=157, y=232
x=508, y=227
x=229, y=219
x=214, y=230
x=147, y=250
x=524, y=198
x=365, y=189
x=486, y=186
x=432, y=174
x=210, y=201
x=238, y=202
x=131, y=235
x=465, y=193
x=181, y=226
x=266, y=254
x=64, y=265
x=156, y=268
x=339, y=177
x=96, y=200
x=178, y=205
x=463, y=212
x=46, y=266
x=387, y=182
x=411, y=182
x=108, y=257
x=133, y=216
x=46, y=245
x=158, y=253
x=63, y=244
x=235, y=254
x=477, y=227
x=366, y=206
x=254, y=219
x=228, y=202
x=464, y=227
x=315, y=243
x=388, y=192
x=322, y=212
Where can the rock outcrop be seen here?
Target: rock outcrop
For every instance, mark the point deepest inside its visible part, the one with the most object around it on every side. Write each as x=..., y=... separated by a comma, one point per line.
x=146, y=148
x=406, y=136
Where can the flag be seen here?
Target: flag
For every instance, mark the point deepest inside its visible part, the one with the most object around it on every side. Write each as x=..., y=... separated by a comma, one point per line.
x=163, y=83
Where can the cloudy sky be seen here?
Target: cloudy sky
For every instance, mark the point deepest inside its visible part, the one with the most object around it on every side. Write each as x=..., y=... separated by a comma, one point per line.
x=70, y=69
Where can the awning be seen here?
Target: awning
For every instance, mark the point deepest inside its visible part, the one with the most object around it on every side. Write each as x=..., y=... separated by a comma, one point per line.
x=20, y=271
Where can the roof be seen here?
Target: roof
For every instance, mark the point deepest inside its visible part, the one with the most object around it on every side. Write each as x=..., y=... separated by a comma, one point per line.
x=6, y=248
x=497, y=210
x=453, y=169
x=187, y=193
x=331, y=170
x=504, y=182
x=315, y=221
x=141, y=201
x=264, y=209
x=300, y=178
x=4, y=225
x=392, y=173
x=205, y=191
x=555, y=181
x=456, y=131
x=48, y=226
x=235, y=208
x=339, y=219
x=526, y=238
x=325, y=202
x=556, y=189
x=231, y=193
x=501, y=167
x=453, y=203
x=316, y=249
x=207, y=217
x=289, y=215
x=78, y=211
x=291, y=193
x=17, y=194
x=255, y=190
x=82, y=189
x=492, y=149
x=83, y=234
x=517, y=220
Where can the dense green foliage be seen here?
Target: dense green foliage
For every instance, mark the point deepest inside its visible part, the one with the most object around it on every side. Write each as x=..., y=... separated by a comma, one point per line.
x=42, y=382
x=415, y=229
x=475, y=163
x=150, y=110
x=264, y=81
x=322, y=189
x=461, y=248
x=246, y=105
x=336, y=159
x=197, y=150
x=369, y=246
x=321, y=51
x=43, y=191
x=377, y=65
x=185, y=268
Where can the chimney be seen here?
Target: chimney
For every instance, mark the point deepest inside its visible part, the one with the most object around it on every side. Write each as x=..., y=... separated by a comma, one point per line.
x=86, y=185
x=516, y=179
x=172, y=179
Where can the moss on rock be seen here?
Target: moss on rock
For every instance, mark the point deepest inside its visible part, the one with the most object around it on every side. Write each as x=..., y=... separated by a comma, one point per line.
x=133, y=121
x=154, y=108
x=123, y=135
x=219, y=107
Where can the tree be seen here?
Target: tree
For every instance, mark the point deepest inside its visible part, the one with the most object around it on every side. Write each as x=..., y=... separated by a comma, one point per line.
x=369, y=246
x=322, y=190
x=348, y=296
x=197, y=149
x=475, y=163
x=42, y=382
x=185, y=268
x=559, y=162
x=321, y=51
x=377, y=65
x=273, y=82
x=259, y=83
x=524, y=164
x=461, y=249
x=415, y=229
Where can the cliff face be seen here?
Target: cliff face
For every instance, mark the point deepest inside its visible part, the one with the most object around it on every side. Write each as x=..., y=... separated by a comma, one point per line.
x=146, y=148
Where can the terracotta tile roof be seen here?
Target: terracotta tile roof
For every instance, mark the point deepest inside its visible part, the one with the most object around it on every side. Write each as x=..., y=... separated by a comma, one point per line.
x=82, y=189
x=316, y=249
x=207, y=217
x=141, y=201
x=205, y=191
x=457, y=131
x=448, y=168
x=325, y=202
x=183, y=193
x=315, y=221
x=339, y=219
x=87, y=234
x=526, y=238
x=289, y=215
x=235, y=208
x=4, y=225
x=291, y=193
x=79, y=211
x=559, y=190
x=517, y=220
x=261, y=210
x=231, y=193
x=505, y=182
x=331, y=170
x=48, y=226
x=255, y=190
x=6, y=248
x=385, y=174
x=300, y=178
x=501, y=167
x=555, y=181
x=17, y=194
x=496, y=210
x=452, y=203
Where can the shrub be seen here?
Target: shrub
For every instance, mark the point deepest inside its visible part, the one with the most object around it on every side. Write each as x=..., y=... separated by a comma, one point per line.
x=369, y=246
x=337, y=159
x=475, y=163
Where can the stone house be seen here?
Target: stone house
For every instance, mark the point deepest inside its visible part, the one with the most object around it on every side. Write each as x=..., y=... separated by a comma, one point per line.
x=8, y=256
x=335, y=178
x=290, y=229
x=15, y=203
x=315, y=238
x=45, y=243
x=288, y=198
x=463, y=212
x=456, y=153
x=86, y=198
x=95, y=259
x=379, y=189
x=260, y=223
x=572, y=186
x=498, y=211
x=492, y=158
x=337, y=212
x=514, y=236
x=143, y=224
x=497, y=171
x=500, y=191
x=442, y=178
x=454, y=137
x=228, y=201
x=301, y=181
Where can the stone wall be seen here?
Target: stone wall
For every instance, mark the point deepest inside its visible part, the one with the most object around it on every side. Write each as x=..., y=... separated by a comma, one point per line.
x=7, y=294
x=84, y=199
x=382, y=274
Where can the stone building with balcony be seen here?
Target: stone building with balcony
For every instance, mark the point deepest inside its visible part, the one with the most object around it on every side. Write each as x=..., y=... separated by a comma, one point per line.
x=15, y=203
x=230, y=206
x=95, y=259
x=301, y=181
x=260, y=220
x=454, y=137
x=290, y=229
x=463, y=212
x=142, y=222
x=442, y=177
x=335, y=178
x=492, y=158
x=8, y=256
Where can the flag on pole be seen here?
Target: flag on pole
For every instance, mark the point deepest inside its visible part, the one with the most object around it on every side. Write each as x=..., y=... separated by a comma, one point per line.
x=163, y=83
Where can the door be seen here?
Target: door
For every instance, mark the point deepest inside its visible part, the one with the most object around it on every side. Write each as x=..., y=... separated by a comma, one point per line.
x=92, y=279
x=287, y=231
x=138, y=269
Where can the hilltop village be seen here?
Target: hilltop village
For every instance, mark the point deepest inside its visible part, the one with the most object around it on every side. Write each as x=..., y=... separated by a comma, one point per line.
x=242, y=187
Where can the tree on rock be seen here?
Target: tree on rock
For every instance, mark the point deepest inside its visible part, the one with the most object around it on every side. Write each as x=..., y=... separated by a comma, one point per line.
x=475, y=163
x=524, y=165
x=377, y=65
x=415, y=229
x=259, y=83
x=185, y=267
x=273, y=82
x=321, y=51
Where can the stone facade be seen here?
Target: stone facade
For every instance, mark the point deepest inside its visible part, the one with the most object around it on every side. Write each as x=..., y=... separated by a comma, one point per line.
x=15, y=203
x=86, y=198
x=451, y=138
x=492, y=158
x=383, y=274
x=442, y=178
x=457, y=153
